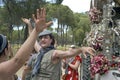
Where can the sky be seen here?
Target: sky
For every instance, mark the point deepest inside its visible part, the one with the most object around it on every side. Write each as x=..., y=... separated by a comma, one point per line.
x=74, y=5
x=77, y=5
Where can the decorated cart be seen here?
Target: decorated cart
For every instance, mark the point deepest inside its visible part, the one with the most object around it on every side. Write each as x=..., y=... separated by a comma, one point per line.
x=104, y=37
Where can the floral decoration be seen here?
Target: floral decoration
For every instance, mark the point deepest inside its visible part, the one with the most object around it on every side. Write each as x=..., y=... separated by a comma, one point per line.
x=99, y=64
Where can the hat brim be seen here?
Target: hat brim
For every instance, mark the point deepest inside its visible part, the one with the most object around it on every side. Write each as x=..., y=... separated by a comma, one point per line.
x=45, y=32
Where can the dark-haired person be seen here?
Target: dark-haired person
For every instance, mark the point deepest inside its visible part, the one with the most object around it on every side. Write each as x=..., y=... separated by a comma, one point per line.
x=47, y=65
x=9, y=67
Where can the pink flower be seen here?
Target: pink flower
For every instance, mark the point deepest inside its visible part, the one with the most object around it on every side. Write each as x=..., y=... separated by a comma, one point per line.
x=99, y=64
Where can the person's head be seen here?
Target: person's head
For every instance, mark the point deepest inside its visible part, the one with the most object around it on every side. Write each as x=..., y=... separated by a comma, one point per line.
x=46, y=39
x=3, y=45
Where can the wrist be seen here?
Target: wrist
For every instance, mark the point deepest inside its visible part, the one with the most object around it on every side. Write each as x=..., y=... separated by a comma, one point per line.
x=35, y=31
x=29, y=24
x=80, y=50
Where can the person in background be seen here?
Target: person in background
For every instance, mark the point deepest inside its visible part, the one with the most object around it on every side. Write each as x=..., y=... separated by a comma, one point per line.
x=48, y=61
x=8, y=68
x=71, y=66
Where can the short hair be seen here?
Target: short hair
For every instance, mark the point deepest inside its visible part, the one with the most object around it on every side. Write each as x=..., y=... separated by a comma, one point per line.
x=53, y=39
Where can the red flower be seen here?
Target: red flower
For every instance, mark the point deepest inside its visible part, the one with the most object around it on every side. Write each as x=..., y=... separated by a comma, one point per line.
x=99, y=64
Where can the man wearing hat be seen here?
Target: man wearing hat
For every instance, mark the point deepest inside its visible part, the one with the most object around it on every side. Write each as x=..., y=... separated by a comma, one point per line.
x=8, y=68
x=47, y=65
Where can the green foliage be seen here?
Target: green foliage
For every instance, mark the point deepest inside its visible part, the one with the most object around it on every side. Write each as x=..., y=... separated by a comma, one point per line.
x=61, y=48
x=15, y=48
x=69, y=23
x=13, y=10
x=3, y=29
x=79, y=27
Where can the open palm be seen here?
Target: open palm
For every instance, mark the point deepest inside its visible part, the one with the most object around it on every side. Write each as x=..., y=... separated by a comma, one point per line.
x=40, y=19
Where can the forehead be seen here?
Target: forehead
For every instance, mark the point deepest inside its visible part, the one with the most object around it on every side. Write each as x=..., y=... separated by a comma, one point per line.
x=44, y=36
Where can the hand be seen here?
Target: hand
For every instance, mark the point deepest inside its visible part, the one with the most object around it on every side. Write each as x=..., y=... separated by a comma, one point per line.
x=40, y=21
x=89, y=50
x=64, y=61
x=25, y=20
x=48, y=24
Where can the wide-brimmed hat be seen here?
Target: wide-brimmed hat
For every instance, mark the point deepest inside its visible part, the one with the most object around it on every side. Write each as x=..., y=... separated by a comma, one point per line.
x=45, y=32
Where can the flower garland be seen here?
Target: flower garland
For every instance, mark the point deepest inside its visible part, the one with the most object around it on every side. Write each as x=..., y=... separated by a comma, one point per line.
x=99, y=64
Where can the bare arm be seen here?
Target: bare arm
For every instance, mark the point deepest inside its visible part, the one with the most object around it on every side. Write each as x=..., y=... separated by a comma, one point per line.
x=75, y=66
x=24, y=52
x=66, y=54
x=21, y=56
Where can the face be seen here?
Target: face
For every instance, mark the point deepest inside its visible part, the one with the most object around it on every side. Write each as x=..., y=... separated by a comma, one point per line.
x=45, y=41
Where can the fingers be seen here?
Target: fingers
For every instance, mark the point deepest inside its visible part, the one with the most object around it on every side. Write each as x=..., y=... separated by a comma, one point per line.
x=44, y=12
x=88, y=50
x=38, y=14
x=84, y=55
x=93, y=50
x=22, y=19
x=91, y=53
x=25, y=20
x=49, y=23
x=41, y=12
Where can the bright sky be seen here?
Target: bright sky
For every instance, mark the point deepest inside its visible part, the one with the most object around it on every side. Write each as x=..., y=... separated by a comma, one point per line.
x=77, y=5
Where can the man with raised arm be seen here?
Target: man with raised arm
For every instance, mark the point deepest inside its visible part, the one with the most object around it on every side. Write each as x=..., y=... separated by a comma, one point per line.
x=47, y=65
x=9, y=67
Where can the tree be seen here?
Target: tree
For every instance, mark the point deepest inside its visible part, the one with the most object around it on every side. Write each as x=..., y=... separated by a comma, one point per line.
x=15, y=9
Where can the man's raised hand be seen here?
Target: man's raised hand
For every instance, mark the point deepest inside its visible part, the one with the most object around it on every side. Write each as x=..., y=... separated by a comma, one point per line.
x=40, y=19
